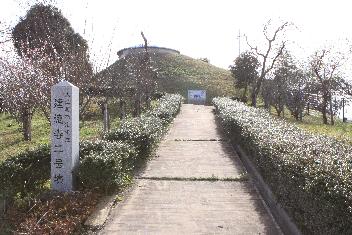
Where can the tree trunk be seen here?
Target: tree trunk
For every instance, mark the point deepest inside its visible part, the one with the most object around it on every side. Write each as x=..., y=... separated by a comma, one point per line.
x=148, y=101
x=137, y=107
x=254, y=98
x=296, y=116
x=106, y=116
x=324, y=109
x=27, y=124
x=325, y=119
x=256, y=91
x=1, y=104
x=138, y=97
x=244, y=95
x=266, y=105
x=122, y=112
x=331, y=113
x=308, y=108
x=343, y=110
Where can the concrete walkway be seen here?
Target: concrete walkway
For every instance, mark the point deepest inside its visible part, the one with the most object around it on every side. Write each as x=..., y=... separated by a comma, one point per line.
x=195, y=185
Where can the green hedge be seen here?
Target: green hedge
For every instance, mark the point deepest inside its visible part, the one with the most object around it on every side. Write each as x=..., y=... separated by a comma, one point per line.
x=107, y=165
x=168, y=107
x=103, y=164
x=143, y=132
x=311, y=175
x=26, y=172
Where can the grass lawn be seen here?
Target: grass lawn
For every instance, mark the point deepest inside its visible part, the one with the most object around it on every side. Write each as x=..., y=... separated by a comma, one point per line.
x=11, y=138
x=314, y=123
x=341, y=131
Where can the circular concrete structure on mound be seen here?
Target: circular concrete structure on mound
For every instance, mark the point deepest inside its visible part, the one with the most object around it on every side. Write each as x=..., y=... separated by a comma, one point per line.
x=152, y=49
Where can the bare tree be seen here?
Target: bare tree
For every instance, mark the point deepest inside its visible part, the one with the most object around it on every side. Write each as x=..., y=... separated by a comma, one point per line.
x=64, y=52
x=326, y=67
x=145, y=78
x=297, y=93
x=139, y=77
x=5, y=33
x=346, y=87
x=21, y=83
x=285, y=78
x=268, y=56
x=266, y=93
x=27, y=76
x=1, y=95
x=131, y=81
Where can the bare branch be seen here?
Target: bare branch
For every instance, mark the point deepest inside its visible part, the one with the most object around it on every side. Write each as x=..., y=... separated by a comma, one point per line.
x=254, y=48
x=267, y=58
x=145, y=41
x=278, y=54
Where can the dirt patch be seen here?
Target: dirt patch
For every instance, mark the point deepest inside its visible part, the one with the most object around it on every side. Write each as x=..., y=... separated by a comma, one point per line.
x=54, y=213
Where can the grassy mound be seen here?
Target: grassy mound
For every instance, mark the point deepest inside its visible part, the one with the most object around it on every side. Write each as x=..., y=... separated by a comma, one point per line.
x=178, y=73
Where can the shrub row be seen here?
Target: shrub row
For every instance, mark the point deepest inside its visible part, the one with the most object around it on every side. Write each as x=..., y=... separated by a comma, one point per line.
x=26, y=172
x=103, y=164
x=143, y=132
x=311, y=175
x=109, y=162
x=168, y=107
x=106, y=164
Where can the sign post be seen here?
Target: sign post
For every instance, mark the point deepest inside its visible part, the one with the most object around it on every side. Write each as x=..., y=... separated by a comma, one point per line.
x=197, y=96
x=64, y=136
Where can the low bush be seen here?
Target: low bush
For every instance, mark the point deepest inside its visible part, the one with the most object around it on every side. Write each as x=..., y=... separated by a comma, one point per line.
x=142, y=132
x=168, y=107
x=311, y=175
x=102, y=164
x=25, y=173
x=106, y=165
x=87, y=148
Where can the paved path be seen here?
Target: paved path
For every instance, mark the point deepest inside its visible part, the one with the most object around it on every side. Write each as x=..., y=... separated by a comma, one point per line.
x=195, y=185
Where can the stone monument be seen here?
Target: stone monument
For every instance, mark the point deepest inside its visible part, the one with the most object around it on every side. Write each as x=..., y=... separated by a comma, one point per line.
x=64, y=136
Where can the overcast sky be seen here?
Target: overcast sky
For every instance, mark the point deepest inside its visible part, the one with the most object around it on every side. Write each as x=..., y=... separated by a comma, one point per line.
x=196, y=28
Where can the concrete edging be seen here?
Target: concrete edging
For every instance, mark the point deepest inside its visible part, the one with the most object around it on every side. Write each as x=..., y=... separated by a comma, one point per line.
x=100, y=214
x=282, y=218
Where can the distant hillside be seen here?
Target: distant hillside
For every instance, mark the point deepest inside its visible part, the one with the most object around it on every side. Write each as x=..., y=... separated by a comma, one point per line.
x=178, y=73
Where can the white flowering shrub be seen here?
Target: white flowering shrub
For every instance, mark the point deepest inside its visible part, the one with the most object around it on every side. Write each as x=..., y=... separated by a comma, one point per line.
x=310, y=174
x=25, y=173
x=107, y=165
x=142, y=132
x=168, y=107
x=145, y=131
